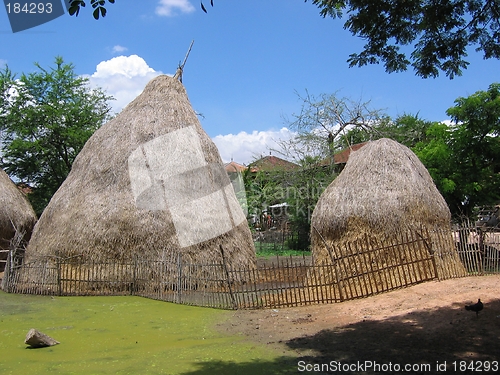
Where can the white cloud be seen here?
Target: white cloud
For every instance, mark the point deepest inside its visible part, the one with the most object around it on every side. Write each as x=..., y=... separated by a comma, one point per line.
x=119, y=49
x=128, y=66
x=448, y=122
x=167, y=7
x=123, y=77
x=3, y=62
x=245, y=147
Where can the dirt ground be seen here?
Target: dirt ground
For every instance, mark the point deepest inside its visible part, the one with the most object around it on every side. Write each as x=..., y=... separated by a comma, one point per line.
x=426, y=325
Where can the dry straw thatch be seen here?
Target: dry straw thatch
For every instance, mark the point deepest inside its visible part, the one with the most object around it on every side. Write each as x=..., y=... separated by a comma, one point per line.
x=383, y=192
x=16, y=213
x=149, y=184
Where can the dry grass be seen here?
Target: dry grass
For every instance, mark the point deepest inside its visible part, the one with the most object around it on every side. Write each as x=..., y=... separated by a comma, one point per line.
x=16, y=213
x=383, y=191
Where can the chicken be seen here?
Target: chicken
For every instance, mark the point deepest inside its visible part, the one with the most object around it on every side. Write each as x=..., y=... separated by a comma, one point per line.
x=476, y=307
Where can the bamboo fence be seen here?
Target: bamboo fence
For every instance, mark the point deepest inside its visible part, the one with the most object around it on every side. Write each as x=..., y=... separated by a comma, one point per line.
x=368, y=268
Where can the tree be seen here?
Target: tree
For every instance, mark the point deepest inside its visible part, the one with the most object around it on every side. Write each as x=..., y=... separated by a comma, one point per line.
x=299, y=188
x=464, y=158
x=437, y=156
x=408, y=130
x=441, y=32
x=476, y=146
x=45, y=119
x=323, y=123
x=262, y=190
x=304, y=187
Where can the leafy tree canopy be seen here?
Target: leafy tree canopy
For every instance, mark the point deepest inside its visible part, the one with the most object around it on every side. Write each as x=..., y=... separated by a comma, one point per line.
x=406, y=129
x=98, y=6
x=465, y=157
x=45, y=119
x=439, y=31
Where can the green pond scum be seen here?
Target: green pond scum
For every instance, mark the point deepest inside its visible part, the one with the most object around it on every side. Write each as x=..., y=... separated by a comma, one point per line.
x=126, y=335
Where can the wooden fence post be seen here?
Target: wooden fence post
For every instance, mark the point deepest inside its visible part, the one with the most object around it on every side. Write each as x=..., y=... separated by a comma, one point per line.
x=179, y=277
x=428, y=246
x=133, y=284
x=334, y=264
x=58, y=267
x=6, y=276
x=233, y=300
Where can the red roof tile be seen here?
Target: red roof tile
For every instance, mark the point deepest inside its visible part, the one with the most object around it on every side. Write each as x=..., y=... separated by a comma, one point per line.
x=233, y=167
x=270, y=163
x=343, y=156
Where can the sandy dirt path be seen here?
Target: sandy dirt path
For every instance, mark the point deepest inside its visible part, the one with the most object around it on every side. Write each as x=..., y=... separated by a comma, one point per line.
x=424, y=324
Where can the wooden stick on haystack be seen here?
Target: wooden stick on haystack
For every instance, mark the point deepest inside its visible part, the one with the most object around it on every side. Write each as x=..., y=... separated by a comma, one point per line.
x=180, y=69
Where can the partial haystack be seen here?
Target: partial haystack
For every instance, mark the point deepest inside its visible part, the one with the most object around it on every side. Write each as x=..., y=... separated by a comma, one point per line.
x=147, y=186
x=16, y=213
x=384, y=196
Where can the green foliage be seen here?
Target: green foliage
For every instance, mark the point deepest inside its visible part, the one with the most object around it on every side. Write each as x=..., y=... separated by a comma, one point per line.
x=269, y=250
x=408, y=130
x=440, y=32
x=437, y=156
x=306, y=186
x=354, y=136
x=97, y=5
x=464, y=159
x=262, y=190
x=300, y=189
x=45, y=119
x=476, y=145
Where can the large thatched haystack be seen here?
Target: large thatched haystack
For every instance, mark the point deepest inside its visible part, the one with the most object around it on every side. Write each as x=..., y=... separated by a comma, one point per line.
x=384, y=196
x=147, y=185
x=15, y=213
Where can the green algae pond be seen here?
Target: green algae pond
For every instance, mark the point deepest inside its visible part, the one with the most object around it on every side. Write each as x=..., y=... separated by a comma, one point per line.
x=125, y=335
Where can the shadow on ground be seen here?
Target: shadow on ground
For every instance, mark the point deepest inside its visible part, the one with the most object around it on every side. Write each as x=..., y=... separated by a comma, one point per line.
x=422, y=339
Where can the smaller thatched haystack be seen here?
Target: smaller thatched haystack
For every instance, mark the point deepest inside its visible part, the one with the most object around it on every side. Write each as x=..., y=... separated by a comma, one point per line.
x=16, y=213
x=383, y=195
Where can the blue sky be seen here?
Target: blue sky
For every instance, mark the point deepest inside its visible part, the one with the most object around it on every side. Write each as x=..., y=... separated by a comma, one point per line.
x=249, y=61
